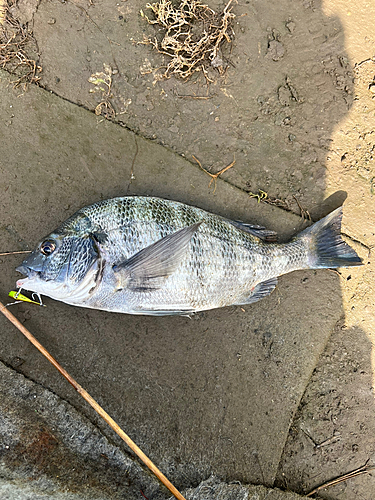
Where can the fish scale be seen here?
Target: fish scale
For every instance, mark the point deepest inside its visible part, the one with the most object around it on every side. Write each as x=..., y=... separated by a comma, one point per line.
x=145, y=255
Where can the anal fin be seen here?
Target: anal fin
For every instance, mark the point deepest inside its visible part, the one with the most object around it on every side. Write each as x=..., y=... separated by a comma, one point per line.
x=260, y=291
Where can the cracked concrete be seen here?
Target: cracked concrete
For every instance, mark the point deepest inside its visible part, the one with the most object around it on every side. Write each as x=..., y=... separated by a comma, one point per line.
x=230, y=393
x=217, y=376
x=60, y=454
x=49, y=449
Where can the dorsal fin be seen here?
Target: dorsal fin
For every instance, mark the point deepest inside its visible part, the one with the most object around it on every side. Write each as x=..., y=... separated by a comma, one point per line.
x=259, y=231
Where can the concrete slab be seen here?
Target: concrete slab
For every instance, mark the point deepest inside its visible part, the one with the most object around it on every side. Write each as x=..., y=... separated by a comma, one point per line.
x=211, y=394
x=48, y=450
x=212, y=489
x=275, y=114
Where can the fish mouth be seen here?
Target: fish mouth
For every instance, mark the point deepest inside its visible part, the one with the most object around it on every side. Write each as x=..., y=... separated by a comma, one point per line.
x=23, y=270
x=30, y=274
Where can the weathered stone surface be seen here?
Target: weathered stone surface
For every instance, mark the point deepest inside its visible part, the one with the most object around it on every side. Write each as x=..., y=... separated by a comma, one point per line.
x=211, y=394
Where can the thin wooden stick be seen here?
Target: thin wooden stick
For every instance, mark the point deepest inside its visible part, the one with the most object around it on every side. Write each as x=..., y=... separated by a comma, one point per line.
x=12, y=253
x=365, y=469
x=93, y=403
x=214, y=176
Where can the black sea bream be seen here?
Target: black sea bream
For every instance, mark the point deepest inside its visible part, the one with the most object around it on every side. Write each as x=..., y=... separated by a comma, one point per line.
x=141, y=255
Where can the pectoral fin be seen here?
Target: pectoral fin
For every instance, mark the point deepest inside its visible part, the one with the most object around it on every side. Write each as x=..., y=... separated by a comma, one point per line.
x=150, y=267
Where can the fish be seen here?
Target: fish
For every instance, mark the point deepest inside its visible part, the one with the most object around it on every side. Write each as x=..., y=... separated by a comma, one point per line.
x=151, y=256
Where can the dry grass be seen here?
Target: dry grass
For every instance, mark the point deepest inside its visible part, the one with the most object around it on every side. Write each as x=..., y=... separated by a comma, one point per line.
x=193, y=37
x=102, y=83
x=16, y=43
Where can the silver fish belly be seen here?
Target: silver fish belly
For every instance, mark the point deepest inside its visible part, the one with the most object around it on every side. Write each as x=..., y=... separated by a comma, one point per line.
x=142, y=255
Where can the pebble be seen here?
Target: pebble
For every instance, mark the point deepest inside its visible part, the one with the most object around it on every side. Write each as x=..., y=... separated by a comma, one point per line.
x=291, y=26
x=275, y=50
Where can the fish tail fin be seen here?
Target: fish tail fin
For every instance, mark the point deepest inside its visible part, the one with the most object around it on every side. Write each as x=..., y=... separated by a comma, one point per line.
x=329, y=249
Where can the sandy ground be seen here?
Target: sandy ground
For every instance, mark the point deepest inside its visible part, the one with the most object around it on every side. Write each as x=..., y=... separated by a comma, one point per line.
x=281, y=394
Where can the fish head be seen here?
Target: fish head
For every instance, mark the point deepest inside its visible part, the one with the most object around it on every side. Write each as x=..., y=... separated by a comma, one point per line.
x=65, y=265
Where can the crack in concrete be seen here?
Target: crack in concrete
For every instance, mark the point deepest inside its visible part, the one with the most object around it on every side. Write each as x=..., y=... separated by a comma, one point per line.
x=359, y=242
x=146, y=138
x=293, y=416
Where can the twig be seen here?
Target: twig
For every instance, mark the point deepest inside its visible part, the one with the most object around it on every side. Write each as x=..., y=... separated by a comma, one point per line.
x=357, y=472
x=214, y=176
x=195, y=97
x=277, y=203
x=92, y=402
x=304, y=213
x=331, y=440
x=12, y=253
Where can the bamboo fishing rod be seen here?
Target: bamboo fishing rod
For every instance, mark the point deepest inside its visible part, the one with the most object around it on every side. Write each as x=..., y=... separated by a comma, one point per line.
x=93, y=403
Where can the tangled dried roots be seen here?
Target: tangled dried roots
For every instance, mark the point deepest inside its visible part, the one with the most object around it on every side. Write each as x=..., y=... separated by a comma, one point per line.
x=193, y=39
x=16, y=43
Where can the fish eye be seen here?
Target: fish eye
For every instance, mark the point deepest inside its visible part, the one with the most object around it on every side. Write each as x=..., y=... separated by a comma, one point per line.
x=47, y=247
